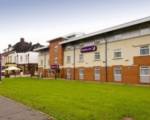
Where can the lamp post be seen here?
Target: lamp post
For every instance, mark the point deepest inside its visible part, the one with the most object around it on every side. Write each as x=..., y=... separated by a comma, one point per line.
x=28, y=64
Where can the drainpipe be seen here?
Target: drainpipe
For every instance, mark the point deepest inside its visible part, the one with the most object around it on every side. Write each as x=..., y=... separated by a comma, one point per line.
x=44, y=65
x=106, y=58
x=74, y=62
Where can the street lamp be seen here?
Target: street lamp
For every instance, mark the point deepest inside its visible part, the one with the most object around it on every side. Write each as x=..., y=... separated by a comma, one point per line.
x=28, y=64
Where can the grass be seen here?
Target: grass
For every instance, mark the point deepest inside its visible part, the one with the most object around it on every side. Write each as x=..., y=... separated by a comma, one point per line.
x=75, y=100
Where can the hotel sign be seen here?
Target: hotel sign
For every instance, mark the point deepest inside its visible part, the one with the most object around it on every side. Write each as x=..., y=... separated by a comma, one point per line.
x=55, y=66
x=88, y=49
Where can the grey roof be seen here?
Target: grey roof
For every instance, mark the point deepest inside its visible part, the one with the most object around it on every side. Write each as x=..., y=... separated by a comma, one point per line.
x=41, y=48
x=121, y=26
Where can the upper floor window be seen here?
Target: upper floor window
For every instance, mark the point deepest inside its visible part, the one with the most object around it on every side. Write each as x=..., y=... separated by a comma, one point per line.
x=81, y=58
x=41, y=62
x=55, y=60
x=144, y=50
x=55, y=50
x=48, y=62
x=68, y=59
x=27, y=57
x=21, y=58
x=15, y=59
x=117, y=53
x=97, y=56
x=10, y=59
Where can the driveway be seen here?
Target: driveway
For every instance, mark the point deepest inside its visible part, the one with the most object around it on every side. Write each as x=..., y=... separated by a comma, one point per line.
x=11, y=110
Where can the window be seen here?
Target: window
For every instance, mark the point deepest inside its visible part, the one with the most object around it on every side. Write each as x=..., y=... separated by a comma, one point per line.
x=41, y=62
x=144, y=50
x=26, y=58
x=117, y=73
x=10, y=59
x=48, y=62
x=81, y=74
x=97, y=73
x=15, y=59
x=97, y=56
x=56, y=51
x=21, y=59
x=117, y=53
x=145, y=74
x=81, y=58
x=68, y=59
x=68, y=73
x=56, y=60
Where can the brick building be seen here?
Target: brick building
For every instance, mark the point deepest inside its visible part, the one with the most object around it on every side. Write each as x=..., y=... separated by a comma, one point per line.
x=117, y=54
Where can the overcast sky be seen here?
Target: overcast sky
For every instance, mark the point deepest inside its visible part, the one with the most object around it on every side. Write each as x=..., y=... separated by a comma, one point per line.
x=42, y=20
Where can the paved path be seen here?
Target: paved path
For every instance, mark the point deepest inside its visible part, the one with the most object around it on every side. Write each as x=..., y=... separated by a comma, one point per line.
x=11, y=110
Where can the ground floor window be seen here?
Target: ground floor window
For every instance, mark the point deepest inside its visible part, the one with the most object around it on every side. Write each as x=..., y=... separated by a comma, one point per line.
x=68, y=73
x=117, y=73
x=81, y=74
x=145, y=74
x=97, y=73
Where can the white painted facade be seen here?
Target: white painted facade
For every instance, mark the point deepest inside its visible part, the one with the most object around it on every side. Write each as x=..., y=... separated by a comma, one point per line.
x=22, y=58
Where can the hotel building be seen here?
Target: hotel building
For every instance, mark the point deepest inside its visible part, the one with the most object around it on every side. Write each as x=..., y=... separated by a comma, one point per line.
x=117, y=54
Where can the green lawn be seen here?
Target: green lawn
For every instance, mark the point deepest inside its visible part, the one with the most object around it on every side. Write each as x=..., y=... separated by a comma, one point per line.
x=75, y=100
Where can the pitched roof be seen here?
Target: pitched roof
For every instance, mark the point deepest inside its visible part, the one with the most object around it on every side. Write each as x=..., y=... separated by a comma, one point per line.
x=42, y=48
x=121, y=26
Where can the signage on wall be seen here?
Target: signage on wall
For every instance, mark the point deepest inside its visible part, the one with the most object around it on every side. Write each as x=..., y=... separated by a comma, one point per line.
x=88, y=49
x=55, y=66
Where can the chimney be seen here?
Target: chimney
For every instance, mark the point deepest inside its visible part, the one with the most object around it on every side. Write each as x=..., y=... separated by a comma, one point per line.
x=9, y=45
x=21, y=39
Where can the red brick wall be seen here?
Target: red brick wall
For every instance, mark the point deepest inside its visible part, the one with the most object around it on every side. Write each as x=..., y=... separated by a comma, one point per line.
x=52, y=46
x=142, y=60
x=131, y=74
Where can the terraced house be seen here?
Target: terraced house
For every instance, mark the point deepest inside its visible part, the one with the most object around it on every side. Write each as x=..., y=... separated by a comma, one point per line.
x=22, y=55
x=117, y=54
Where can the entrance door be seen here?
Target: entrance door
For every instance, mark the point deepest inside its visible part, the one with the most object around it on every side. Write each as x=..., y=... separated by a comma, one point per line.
x=69, y=74
x=145, y=74
x=117, y=73
x=97, y=73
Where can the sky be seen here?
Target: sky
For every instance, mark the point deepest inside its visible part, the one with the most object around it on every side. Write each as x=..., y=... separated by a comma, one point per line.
x=42, y=20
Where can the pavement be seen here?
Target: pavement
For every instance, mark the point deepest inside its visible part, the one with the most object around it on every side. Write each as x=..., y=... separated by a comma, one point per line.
x=11, y=110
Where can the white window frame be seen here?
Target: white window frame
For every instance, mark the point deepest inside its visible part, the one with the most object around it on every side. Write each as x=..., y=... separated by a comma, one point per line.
x=68, y=74
x=117, y=76
x=56, y=60
x=144, y=78
x=81, y=73
x=68, y=59
x=81, y=57
x=21, y=58
x=97, y=74
x=41, y=62
x=144, y=48
x=117, y=51
x=97, y=54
